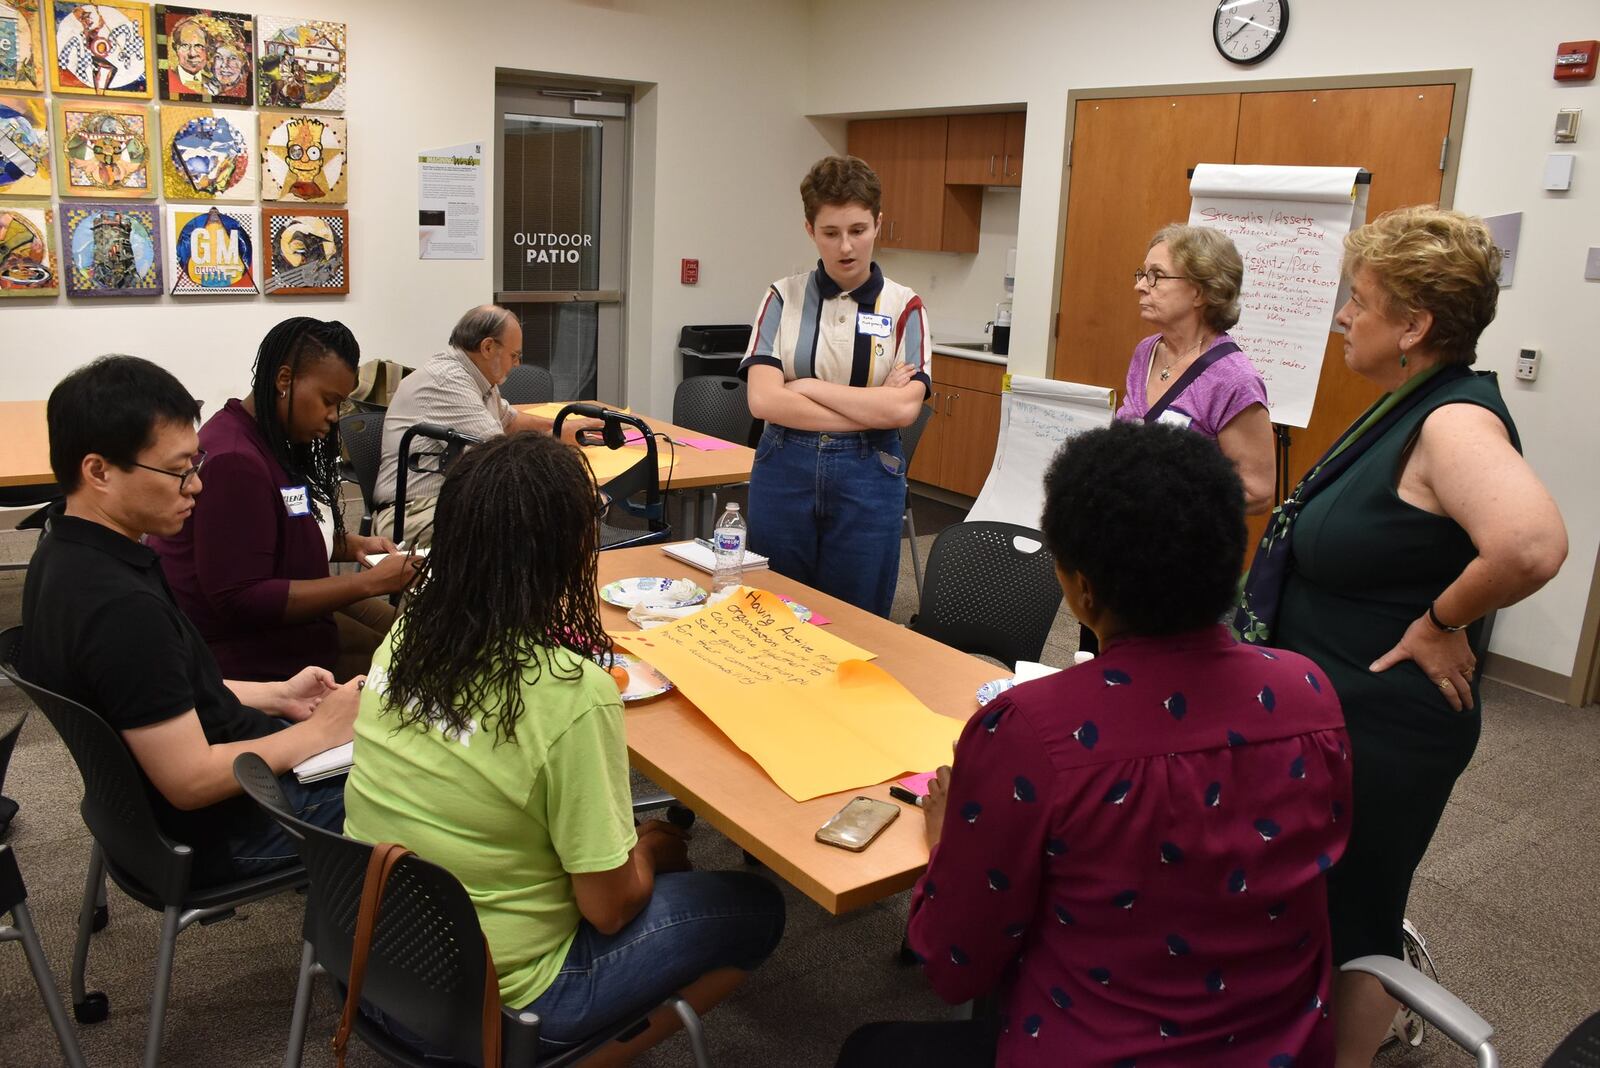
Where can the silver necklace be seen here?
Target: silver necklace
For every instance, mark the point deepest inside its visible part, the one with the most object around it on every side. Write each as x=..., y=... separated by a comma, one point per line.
x=1166, y=372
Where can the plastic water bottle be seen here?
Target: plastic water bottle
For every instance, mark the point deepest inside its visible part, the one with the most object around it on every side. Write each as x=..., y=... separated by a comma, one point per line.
x=727, y=546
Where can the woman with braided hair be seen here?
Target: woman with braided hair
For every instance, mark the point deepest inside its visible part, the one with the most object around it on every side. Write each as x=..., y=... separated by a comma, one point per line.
x=490, y=742
x=250, y=566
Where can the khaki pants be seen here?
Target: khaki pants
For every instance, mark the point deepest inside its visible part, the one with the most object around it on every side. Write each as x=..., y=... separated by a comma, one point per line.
x=361, y=627
x=419, y=521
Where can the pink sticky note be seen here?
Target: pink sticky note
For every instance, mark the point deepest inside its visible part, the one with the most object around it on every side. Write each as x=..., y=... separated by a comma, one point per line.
x=918, y=784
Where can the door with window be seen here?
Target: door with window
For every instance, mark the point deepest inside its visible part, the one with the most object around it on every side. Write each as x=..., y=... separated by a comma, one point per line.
x=561, y=229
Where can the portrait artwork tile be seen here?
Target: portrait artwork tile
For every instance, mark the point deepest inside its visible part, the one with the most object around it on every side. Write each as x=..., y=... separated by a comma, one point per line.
x=204, y=56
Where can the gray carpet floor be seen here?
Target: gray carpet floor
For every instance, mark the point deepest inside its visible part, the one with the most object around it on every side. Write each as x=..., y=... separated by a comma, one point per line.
x=1506, y=898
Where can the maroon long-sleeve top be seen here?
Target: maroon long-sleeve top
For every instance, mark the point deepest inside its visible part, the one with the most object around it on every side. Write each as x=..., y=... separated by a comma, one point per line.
x=1133, y=854
x=250, y=534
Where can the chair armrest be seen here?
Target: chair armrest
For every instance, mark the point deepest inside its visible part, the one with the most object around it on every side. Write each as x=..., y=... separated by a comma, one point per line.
x=519, y=1037
x=1433, y=1002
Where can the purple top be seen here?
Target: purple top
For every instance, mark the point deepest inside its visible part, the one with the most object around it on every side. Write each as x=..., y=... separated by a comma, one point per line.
x=1222, y=391
x=1133, y=856
x=231, y=565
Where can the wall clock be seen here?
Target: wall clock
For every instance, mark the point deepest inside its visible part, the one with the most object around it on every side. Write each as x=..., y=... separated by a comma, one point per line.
x=1248, y=31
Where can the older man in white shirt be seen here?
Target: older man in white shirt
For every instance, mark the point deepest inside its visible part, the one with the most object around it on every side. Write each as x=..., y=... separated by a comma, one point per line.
x=459, y=389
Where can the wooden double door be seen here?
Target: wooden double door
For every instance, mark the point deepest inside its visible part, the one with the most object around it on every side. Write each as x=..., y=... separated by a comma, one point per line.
x=1129, y=177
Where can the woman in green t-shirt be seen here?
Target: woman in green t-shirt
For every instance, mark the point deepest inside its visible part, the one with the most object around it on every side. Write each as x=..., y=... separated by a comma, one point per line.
x=491, y=744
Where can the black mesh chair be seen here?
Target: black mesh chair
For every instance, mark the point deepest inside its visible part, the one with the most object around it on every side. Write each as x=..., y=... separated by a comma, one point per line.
x=425, y=968
x=130, y=847
x=40, y=498
x=361, y=436
x=8, y=744
x=14, y=899
x=909, y=437
x=717, y=405
x=987, y=595
x=635, y=492
x=528, y=384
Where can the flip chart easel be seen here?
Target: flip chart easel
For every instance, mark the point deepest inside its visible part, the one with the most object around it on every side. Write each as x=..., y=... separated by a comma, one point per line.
x=1036, y=416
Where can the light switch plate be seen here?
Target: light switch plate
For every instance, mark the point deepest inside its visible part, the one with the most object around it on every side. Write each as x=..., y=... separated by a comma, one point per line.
x=1591, y=266
x=1567, y=125
x=1558, y=171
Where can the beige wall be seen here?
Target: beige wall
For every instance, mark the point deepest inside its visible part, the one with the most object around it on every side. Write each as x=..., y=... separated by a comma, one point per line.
x=949, y=53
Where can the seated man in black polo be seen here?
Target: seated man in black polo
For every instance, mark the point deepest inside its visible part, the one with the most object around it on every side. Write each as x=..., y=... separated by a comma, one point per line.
x=101, y=626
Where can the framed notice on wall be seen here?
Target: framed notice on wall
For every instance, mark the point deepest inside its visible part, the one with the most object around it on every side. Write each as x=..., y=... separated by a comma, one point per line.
x=450, y=202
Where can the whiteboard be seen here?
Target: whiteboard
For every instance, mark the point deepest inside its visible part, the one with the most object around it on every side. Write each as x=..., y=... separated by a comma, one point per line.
x=1289, y=225
x=1036, y=416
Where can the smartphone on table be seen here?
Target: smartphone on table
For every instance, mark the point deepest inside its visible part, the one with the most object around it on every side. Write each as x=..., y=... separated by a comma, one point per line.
x=858, y=823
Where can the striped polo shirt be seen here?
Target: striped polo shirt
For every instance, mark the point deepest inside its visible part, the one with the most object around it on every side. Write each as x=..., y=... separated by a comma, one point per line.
x=810, y=328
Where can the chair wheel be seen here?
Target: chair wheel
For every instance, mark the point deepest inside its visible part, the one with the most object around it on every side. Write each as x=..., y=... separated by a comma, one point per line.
x=102, y=916
x=93, y=1009
x=680, y=817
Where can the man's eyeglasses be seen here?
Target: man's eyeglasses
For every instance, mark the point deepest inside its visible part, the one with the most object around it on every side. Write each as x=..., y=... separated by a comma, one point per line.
x=1153, y=277
x=183, y=476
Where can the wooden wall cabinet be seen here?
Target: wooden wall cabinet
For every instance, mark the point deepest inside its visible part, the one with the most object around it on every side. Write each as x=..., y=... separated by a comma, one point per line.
x=921, y=210
x=985, y=149
x=958, y=444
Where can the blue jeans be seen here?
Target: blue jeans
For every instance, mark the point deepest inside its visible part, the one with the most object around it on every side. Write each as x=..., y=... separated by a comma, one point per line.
x=827, y=509
x=695, y=923
x=267, y=847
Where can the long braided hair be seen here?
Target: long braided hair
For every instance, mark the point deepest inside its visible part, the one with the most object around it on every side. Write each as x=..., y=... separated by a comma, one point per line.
x=297, y=342
x=510, y=577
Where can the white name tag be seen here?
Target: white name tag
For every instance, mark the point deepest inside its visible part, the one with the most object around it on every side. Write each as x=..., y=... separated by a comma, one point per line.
x=296, y=500
x=873, y=324
x=1173, y=417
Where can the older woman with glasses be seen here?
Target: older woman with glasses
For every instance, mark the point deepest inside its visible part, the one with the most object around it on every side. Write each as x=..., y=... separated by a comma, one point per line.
x=1191, y=373
x=1419, y=521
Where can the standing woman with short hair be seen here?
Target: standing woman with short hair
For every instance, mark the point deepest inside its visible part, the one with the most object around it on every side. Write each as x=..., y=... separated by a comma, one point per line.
x=837, y=364
x=1420, y=520
x=250, y=566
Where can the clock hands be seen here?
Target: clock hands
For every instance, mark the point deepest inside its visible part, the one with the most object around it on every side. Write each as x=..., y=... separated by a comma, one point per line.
x=1243, y=22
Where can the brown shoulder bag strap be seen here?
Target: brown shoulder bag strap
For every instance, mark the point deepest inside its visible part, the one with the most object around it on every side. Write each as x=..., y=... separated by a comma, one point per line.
x=385, y=856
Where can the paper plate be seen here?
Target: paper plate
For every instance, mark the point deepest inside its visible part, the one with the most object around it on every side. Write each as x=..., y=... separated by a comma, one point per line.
x=644, y=681
x=994, y=688
x=652, y=593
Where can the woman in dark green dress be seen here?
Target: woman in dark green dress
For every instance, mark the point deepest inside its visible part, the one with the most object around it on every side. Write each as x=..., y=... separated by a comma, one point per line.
x=1380, y=567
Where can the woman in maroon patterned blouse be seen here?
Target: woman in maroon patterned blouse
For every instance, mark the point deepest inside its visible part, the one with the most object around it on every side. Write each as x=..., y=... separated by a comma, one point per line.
x=1129, y=855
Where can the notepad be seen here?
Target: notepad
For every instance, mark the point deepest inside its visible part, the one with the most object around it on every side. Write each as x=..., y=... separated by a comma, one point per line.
x=696, y=555
x=327, y=764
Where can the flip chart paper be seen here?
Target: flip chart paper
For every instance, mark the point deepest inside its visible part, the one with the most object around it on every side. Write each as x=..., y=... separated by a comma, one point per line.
x=804, y=704
x=1289, y=225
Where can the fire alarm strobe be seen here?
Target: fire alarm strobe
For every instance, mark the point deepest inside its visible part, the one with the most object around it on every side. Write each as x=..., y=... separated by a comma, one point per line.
x=1575, y=61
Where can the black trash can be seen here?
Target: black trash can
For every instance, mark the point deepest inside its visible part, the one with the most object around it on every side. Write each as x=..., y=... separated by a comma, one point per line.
x=713, y=350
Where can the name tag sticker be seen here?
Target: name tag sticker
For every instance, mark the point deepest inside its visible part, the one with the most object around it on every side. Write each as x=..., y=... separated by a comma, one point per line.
x=296, y=500
x=1173, y=417
x=873, y=324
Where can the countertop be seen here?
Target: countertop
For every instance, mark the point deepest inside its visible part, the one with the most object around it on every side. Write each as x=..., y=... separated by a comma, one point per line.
x=946, y=346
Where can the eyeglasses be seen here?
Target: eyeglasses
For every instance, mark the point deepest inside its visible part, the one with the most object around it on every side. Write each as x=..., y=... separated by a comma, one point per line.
x=183, y=476
x=1153, y=277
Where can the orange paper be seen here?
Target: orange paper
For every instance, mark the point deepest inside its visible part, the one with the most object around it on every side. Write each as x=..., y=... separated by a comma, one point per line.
x=607, y=464
x=804, y=704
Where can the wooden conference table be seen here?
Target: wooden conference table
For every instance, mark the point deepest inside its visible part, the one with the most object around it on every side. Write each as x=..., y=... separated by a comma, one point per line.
x=674, y=744
x=24, y=444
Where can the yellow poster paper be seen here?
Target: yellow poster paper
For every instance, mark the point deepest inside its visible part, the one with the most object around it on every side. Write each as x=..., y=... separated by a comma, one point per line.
x=609, y=463
x=805, y=705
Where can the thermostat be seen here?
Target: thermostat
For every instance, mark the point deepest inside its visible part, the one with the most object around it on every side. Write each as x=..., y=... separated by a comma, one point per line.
x=1528, y=364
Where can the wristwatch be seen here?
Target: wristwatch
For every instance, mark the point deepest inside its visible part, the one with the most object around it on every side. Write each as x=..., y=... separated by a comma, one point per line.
x=1433, y=617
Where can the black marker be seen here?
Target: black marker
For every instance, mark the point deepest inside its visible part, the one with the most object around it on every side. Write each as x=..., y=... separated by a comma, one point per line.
x=900, y=793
